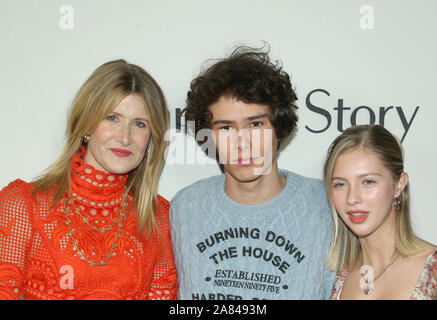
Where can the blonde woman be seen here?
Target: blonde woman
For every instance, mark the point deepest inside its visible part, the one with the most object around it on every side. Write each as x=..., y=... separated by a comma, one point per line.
x=92, y=226
x=373, y=245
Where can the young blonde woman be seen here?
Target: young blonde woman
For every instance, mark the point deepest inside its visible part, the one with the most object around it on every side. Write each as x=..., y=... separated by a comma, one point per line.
x=373, y=247
x=92, y=226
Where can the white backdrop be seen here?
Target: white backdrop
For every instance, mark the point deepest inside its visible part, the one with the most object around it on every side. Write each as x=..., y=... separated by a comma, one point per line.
x=378, y=54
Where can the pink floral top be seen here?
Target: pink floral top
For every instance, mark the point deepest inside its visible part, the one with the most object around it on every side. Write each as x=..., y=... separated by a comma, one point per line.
x=425, y=289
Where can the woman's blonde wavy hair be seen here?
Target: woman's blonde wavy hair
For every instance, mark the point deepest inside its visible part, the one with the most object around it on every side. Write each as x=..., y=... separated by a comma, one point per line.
x=107, y=86
x=345, y=244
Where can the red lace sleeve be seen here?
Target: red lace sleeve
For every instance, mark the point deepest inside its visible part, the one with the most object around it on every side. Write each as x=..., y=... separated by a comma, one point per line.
x=15, y=235
x=164, y=284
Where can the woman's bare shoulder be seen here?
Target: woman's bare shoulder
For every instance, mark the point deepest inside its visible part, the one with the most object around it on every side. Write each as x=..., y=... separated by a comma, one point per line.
x=426, y=249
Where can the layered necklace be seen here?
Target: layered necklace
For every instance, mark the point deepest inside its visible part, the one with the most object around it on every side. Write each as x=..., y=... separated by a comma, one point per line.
x=118, y=221
x=368, y=283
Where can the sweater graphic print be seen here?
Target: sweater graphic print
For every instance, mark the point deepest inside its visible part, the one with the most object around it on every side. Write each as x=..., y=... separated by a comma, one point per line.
x=276, y=252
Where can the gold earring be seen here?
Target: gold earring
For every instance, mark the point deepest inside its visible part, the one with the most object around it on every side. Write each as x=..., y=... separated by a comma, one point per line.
x=86, y=138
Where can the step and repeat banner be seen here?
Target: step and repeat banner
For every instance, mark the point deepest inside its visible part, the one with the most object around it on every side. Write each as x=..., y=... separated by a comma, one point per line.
x=351, y=62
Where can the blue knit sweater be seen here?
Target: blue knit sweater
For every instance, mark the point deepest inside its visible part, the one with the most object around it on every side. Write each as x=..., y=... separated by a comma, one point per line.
x=274, y=250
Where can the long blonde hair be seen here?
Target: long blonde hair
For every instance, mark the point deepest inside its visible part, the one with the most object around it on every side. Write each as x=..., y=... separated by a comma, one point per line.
x=107, y=86
x=345, y=244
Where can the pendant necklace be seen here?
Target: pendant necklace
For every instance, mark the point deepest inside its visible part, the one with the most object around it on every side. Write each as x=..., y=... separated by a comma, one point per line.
x=369, y=283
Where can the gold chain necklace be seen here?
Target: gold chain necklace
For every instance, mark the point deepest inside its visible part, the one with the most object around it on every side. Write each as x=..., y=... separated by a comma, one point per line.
x=85, y=219
x=81, y=253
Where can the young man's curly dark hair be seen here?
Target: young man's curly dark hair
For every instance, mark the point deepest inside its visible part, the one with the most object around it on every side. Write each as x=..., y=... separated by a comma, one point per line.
x=249, y=76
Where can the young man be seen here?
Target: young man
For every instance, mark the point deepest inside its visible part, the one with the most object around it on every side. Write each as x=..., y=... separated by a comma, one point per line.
x=255, y=232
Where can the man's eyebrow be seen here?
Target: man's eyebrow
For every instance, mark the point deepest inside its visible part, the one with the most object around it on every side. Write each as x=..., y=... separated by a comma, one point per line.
x=257, y=116
x=219, y=121
x=254, y=117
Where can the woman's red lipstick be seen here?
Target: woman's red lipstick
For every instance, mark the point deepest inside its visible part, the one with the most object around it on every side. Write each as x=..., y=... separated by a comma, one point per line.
x=357, y=216
x=122, y=153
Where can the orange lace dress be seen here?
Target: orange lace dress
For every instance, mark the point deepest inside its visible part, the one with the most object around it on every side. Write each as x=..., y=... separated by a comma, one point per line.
x=39, y=258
